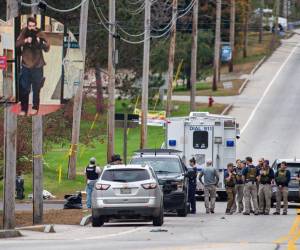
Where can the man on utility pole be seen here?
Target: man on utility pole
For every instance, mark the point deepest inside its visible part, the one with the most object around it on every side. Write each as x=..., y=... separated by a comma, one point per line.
x=78, y=96
x=232, y=33
x=171, y=59
x=145, y=81
x=194, y=56
x=111, y=80
x=216, y=75
x=10, y=146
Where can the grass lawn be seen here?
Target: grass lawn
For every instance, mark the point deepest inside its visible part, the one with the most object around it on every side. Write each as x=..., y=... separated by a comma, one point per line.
x=93, y=143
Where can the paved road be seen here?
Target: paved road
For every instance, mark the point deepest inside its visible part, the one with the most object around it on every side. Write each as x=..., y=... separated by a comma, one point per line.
x=269, y=108
x=200, y=231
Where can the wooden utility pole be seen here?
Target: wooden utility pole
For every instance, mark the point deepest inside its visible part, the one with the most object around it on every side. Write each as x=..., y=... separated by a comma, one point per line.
x=145, y=81
x=246, y=27
x=194, y=56
x=37, y=157
x=78, y=96
x=171, y=59
x=285, y=8
x=111, y=81
x=216, y=76
x=261, y=21
x=232, y=33
x=37, y=166
x=10, y=146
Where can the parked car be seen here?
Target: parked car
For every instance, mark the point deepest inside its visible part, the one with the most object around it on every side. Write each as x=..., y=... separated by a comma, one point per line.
x=172, y=175
x=293, y=165
x=127, y=192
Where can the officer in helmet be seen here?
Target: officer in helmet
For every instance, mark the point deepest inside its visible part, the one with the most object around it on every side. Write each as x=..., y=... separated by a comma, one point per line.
x=92, y=173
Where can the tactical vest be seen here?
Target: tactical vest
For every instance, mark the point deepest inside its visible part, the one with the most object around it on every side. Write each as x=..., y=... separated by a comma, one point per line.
x=265, y=178
x=251, y=174
x=91, y=173
x=239, y=176
x=231, y=182
x=281, y=178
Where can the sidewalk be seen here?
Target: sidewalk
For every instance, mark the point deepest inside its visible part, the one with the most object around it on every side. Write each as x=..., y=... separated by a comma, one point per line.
x=245, y=103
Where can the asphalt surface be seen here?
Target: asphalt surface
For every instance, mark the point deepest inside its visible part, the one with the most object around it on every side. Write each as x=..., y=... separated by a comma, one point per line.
x=199, y=231
x=268, y=110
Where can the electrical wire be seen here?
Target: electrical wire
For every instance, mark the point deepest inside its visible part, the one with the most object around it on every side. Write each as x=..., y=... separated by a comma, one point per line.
x=53, y=8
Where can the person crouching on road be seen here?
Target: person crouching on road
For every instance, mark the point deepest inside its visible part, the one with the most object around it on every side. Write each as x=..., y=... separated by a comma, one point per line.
x=192, y=185
x=282, y=179
x=92, y=173
x=211, y=180
x=230, y=181
x=250, y=177
x=265, y=189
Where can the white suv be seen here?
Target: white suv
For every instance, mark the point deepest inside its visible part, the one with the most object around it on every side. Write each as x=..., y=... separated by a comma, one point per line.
x=127, y=192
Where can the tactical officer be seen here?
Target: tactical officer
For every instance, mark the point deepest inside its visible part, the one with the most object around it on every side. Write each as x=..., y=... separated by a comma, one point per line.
x=239, y=187
x=265, y=189
x=282, y=179
x=230, y=181
x=116, y=160
x=92, y=173
x=211, y=180
x=192, y=185
x=250, y=177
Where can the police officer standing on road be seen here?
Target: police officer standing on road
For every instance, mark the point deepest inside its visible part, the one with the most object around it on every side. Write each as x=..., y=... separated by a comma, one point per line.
x=92, y=173
x=211, y=180
x=282, y=179
x=250, y=177
x=265, y=190
x=239, y=187
x=192, y=185
x=230, y=181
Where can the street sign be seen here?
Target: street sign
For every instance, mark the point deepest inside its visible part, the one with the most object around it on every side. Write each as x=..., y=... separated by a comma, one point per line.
x=227, y=85
x=226, y=53
x=130, y=117
x=71, y=45
x=3, y=62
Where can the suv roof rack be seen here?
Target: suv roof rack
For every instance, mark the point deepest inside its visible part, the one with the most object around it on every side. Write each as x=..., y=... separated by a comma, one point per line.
x=158, y=151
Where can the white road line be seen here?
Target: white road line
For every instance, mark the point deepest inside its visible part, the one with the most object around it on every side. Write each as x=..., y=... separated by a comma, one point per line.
x=268, y=88
x=113, y=235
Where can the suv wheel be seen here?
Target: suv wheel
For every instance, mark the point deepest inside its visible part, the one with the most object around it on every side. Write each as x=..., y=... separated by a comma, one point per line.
x=159, y=220
x=97, y=220
x=182, y=212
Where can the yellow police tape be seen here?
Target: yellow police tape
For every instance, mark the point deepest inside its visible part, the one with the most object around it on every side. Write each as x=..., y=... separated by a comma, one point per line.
x=293, y=235
x=73, y=149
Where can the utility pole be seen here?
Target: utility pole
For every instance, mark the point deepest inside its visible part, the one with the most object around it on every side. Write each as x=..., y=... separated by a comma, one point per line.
x=78, y=96
x=194, y=56
x=232, y=33
x=145, y=81
x=10, y=146
x=37, y=157
x=216, y=76
x=285, y=9
x=261, y=21
x=111, y=81
x=246, y=26
x=171, y=59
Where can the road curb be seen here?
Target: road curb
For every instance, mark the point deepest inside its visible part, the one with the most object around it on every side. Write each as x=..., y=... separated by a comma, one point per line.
x=9, y=234
x=86, y=220
x=39, y=228
x=227, y=109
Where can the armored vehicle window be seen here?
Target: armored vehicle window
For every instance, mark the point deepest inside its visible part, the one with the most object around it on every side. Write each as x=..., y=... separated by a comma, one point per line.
x=200, y=139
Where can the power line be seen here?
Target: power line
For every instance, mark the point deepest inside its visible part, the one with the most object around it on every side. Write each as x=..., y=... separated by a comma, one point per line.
x=51, y=7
